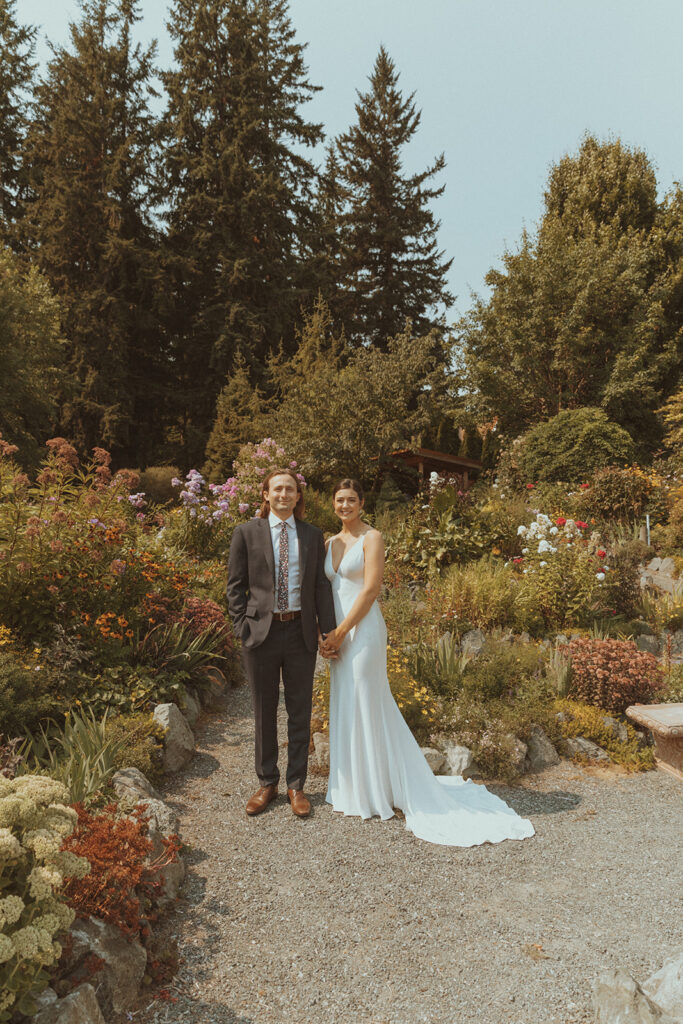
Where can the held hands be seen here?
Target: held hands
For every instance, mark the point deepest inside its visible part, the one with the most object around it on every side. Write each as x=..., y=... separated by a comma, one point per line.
x=329, y=643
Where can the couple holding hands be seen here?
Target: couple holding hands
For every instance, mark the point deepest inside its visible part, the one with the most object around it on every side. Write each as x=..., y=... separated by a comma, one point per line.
x=290, y=594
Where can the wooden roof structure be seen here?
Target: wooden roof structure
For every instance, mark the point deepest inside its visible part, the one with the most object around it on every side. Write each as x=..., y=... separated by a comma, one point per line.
x=426, y=461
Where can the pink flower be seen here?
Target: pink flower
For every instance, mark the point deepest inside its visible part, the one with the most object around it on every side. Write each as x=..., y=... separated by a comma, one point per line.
x=584, y=487
x=292, y=465
x=243, y=506
x=529, y=487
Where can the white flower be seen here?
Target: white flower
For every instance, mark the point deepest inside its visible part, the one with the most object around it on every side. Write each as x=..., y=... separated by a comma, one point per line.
x=525, y=551
x=6, y=949
x=600, y=576
x=10, y=909
x=10, y=847
x=553, y=530
x=542, y=564
x=543, y=519
x=544, y=546
x=521, y=531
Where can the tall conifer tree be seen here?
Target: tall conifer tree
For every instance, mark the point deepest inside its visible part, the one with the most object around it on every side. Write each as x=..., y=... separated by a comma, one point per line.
x=392, y=269
x=241, y=211
x=17, y=67
x=92, y=148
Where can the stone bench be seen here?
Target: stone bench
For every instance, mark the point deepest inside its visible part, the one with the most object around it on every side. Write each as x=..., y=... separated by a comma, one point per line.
x=665, y=721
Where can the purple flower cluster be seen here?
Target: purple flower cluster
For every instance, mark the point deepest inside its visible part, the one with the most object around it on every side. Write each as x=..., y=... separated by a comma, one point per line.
x=137, y=500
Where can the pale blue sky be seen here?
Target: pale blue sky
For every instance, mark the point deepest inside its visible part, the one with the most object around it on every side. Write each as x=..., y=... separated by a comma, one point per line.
x=506, y=87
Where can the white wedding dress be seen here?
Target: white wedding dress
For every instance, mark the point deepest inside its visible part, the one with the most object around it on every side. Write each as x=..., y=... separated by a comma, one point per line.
x=375, y=761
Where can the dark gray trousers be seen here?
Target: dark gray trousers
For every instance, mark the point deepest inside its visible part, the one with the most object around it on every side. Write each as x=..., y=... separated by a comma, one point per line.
x=282, y=650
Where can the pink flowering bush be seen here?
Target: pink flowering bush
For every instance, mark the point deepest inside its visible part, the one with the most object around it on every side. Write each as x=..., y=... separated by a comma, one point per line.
x=612, y=674
x=208, y=512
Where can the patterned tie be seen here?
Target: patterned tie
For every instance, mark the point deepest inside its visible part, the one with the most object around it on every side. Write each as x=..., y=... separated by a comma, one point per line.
x=283, y=572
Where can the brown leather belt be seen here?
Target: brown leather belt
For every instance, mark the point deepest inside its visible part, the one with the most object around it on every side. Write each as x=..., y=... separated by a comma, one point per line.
x=286, y=616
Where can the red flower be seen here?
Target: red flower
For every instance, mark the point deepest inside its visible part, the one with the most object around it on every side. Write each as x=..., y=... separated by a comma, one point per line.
x=520, y=559
x=581, y=525
x=529, y=487
x=560, y=521
x=601, y=553
x=584, y=487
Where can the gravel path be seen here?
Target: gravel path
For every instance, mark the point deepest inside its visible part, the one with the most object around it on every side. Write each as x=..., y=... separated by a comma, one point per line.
x=331, y=919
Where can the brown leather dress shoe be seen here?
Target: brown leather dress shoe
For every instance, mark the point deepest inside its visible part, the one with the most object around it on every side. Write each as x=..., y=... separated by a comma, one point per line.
x=260, y=800
x=299, y=802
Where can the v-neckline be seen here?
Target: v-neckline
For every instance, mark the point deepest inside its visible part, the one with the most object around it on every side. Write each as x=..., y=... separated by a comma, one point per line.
x=336, y=571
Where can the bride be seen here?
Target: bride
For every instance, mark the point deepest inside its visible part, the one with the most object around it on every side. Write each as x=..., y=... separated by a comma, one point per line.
x=376, y=764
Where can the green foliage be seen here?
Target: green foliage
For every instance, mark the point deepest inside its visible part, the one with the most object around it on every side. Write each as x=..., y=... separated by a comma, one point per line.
x=156, y=484
x=17, y=69
x=319, y=511
x=571, y=444
x=142, y=745
x=672, y=414
x=239, y=413
x=481, y=594
x=440, y=666
x=81, y=754
x=91, y=150
x=390, y=266
x=585, y=312
x=175, y=648
x=500, y=670
x=673, y=685
x=615, y=495
x=25, y=696
x=31, y=355
x=589, y=721
x=34, y=821
x=241, y=218
x=343, y=410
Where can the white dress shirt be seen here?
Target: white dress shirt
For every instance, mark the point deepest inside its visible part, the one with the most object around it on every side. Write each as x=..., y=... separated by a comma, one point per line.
x=294, y=570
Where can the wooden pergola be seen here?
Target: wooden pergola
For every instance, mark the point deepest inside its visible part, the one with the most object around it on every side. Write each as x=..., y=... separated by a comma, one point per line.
x=427, y=461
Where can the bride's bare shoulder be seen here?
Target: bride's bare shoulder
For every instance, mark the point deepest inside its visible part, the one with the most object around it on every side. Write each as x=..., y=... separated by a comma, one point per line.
x=373, y=537
x=328, y=540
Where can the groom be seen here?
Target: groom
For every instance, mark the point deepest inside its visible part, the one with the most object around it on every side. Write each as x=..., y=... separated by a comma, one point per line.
x=279, y=597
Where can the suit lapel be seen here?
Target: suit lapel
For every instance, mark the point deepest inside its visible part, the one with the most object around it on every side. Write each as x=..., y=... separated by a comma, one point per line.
x=301, y=534
x=267, y=546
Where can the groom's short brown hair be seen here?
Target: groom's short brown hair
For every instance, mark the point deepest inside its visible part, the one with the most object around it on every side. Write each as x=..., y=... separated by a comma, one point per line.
x=299, y=508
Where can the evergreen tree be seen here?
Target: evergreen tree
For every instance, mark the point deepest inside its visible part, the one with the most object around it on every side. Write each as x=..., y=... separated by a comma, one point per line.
x=31, y=357
x=239, y=411
x=17, y=67
x=92, y=150
x=241, y=223
x=391, y=268
x=587, y=312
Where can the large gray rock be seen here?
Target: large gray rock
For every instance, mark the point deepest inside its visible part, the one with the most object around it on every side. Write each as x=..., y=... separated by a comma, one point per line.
x=665, y=987
x=436, y=759
x=191, y=708
x=459, y=760
x=518, y=753
x=582, y=747
x=162, y=823
x=667, y=567
x=616, y=728
x=118, y=981
x=473, y=641
x=178, y=739
x=79, y=1007
x=654, y=564
x=648, y=643
x=131, y=783
x=321, y=742
x=541, y=752
x=618, y=999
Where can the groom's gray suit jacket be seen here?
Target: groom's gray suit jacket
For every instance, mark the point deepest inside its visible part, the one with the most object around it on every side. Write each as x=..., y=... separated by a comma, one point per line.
x=251, y=583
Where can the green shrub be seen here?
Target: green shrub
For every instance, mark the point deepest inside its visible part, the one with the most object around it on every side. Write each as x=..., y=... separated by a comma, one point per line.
x=571, y=445
x=319, y=511
x=615, y=494
x=34, y=821
x=156, y=484
x=25, y=696
x=481, y=594
x=501, y=670
x=673, y=686
x=580, y=719
x=143, y=746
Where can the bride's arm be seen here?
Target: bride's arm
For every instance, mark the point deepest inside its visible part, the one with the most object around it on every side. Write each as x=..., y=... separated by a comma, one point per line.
x=372, y=584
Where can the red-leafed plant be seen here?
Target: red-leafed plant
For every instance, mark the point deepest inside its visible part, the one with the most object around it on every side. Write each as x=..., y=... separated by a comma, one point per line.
x=123, y=883
x=612, y=674
x=200, y=614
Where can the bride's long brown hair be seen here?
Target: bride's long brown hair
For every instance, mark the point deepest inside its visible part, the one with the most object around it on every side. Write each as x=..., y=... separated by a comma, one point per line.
x=352, y=485
x=299, y=508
